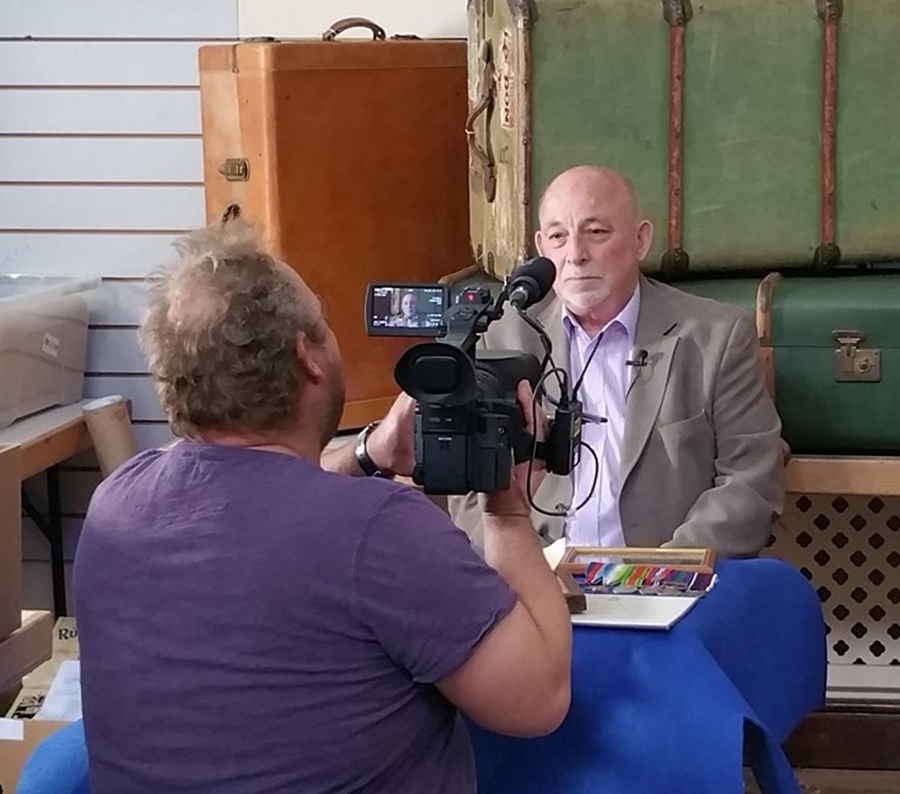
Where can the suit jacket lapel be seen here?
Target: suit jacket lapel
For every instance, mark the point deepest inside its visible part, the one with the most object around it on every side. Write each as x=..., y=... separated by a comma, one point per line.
x=648, y=383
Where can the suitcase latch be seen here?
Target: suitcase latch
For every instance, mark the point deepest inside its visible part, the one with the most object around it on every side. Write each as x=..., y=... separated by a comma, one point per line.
x=853, y=363
x=235, y=169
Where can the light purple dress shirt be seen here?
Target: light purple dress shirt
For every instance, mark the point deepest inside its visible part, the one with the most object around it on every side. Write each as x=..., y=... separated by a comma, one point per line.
x=602, y=393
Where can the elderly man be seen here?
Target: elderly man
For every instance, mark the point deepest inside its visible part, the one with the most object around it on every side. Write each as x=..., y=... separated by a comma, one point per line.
x=687, y=441
x=254, y=619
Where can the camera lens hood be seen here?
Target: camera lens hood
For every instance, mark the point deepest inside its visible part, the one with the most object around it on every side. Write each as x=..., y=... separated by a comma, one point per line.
x=437, y=373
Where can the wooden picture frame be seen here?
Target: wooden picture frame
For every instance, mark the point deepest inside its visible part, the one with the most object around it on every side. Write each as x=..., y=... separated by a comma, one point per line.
x=577, y=558
x=576, y=600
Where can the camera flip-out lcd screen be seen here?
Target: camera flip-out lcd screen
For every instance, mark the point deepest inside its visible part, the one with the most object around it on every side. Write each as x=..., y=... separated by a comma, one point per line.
x=406, y=309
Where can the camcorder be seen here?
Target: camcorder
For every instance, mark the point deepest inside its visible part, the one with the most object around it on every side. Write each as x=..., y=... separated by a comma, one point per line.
x=469, y=426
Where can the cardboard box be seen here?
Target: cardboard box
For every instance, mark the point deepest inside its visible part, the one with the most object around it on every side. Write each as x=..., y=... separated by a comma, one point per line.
x=18, y=738
x=10, y=541
x=26, y=648
x=37, y=683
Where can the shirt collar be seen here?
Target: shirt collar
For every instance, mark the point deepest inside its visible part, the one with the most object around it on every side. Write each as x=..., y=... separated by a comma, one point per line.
x=627, y=318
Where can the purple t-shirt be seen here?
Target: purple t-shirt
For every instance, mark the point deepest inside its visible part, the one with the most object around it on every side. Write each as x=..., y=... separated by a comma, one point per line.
x=251, y=623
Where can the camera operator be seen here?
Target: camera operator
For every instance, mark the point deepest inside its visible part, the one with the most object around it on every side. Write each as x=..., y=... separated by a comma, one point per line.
x=242, y=578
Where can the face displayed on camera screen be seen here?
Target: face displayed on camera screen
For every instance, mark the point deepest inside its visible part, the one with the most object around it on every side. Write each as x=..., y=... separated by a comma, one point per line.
x=405, y=309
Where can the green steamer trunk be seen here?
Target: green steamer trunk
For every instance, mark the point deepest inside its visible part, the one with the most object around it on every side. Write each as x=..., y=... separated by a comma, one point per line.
x=835, y=352
x=759, y=133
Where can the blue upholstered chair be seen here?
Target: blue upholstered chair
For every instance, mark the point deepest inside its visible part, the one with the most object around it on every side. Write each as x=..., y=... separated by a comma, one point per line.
x=58, y=765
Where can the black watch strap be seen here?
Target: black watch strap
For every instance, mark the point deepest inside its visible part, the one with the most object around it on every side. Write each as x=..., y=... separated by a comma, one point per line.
x=362, y=455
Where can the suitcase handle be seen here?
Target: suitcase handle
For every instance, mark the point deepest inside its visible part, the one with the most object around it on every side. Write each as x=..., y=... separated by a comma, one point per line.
x=764, y=297
x=347, y=23
x=485, y=102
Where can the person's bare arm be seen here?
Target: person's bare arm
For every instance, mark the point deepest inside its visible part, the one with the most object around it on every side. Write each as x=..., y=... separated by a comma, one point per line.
x=517, y=681
x=390, y=445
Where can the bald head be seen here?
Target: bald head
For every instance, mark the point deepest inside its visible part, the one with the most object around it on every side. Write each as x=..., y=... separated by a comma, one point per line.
x=595, y=180
x=592, y=230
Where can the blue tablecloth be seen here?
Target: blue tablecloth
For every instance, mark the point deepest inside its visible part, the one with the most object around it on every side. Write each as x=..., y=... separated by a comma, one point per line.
x=651, y=711
x=670, y=710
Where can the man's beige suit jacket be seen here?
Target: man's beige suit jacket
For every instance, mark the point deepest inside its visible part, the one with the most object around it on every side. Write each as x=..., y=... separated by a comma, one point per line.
x=702, y=462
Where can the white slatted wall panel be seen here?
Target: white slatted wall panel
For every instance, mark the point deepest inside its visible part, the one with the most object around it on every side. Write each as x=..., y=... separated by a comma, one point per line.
x=100, y=168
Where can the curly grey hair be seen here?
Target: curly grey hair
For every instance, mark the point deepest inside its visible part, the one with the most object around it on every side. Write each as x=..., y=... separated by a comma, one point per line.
x=221, y=333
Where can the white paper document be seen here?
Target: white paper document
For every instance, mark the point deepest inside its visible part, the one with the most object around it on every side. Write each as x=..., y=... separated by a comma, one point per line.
x=63, y=701
x=12, y=730
x=633, y=611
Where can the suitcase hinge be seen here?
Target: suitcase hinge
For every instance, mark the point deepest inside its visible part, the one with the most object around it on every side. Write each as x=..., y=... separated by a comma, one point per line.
x=673, y=263
x=235, y=169
x=232, y=213
x=830, y=9
x=852, y=363
x=677, y=12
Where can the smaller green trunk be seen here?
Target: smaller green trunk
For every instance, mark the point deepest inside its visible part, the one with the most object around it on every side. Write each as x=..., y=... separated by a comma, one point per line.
x=823, y=393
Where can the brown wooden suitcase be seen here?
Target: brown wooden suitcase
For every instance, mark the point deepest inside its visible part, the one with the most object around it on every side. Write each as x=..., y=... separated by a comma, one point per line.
x=352, y=157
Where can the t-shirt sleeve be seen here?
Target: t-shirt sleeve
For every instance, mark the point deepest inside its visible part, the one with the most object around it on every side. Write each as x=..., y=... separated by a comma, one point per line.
x=424, y=592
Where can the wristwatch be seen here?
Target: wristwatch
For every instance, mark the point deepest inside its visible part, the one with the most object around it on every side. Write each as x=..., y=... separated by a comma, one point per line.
x=368, y=466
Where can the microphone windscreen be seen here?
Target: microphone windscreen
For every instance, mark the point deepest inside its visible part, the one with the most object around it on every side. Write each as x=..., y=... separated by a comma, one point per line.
x=541, y=271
